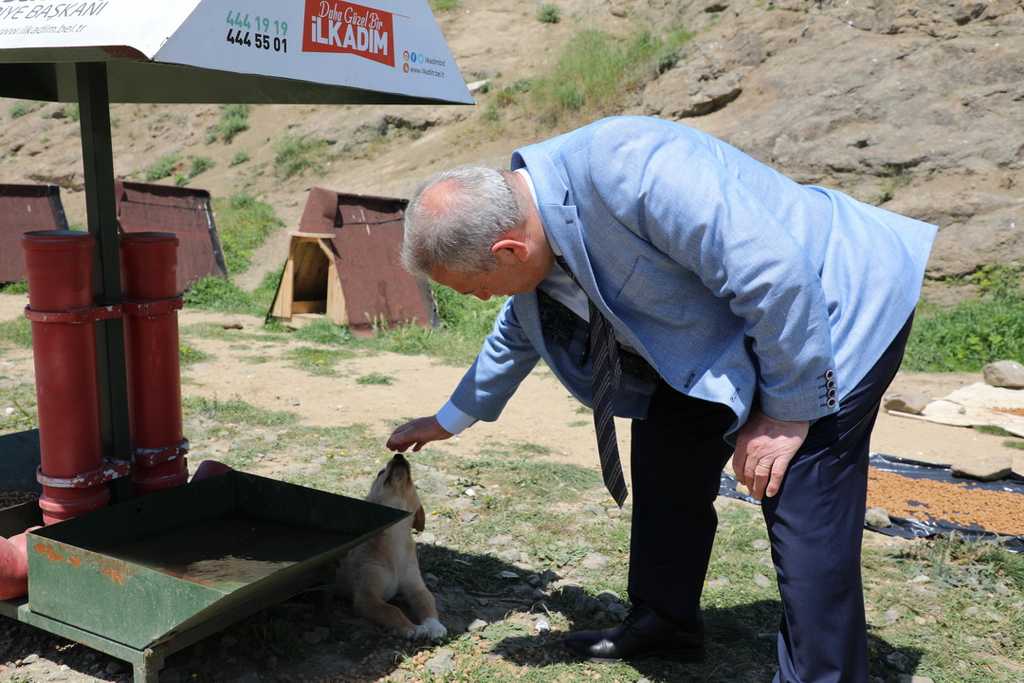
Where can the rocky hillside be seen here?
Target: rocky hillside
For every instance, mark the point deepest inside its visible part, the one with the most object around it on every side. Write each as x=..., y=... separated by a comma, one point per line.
x=917, y=105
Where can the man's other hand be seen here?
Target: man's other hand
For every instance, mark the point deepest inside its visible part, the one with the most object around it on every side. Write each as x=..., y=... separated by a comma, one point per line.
x=417, y=434
x=764, y=447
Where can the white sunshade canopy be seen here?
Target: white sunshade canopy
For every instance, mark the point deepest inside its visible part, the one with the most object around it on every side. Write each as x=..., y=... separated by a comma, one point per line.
x=258, y=51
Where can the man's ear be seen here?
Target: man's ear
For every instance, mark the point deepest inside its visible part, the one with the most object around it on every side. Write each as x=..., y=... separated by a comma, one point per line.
x=419, y=520
x=508, y=250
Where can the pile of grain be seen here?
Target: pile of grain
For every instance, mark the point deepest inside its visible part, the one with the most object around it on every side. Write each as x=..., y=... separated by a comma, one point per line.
x=930, y=501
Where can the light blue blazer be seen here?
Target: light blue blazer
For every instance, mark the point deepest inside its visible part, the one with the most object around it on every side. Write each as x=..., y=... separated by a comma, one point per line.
x=730, y=279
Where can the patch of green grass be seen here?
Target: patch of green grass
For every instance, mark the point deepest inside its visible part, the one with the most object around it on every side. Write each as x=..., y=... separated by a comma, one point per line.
x=241, y=156
x=199, y=165
x=20, y=287
x=296, y=154
x=19, y=109
x=315, y=361
x=17, y=332
x=162, y=167
x=549, y=14
x=218, y=294
x=323, y=331
x=234, y=119
x=263, y=295
x=72, y=112
x=375, y=378
x=967, y=336
x=190, y=355
x=596, y=71
x=236, y=412
x=18, y=408
x=444, y=5
x=243, y=223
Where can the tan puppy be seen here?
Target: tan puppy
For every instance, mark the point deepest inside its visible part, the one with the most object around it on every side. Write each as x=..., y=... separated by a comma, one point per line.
x=386, y=566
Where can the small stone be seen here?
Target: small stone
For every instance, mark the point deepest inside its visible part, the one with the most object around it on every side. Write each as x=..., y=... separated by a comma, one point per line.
x=618, y=11
x=921, y=578
x=442, y=663
x=719, y=582
x=64, y=667
x=542, y=626
x=898, y=661
x=476, y=625
x=471, y=492
x=1008, y=374
x=987, y=468
x=877, y=518
x=478, y=85
x=595, y=561
x=762, y=580
x=31, y=659
x=506, y=574
x=8, y=411
x=760, y=544
x=427, y=537
x=907, y=402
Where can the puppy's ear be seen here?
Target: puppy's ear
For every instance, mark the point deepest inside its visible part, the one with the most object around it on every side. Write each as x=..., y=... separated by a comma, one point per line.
x=419, y=520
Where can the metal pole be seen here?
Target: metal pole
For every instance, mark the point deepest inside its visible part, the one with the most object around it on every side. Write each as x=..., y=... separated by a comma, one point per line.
x=97, y=155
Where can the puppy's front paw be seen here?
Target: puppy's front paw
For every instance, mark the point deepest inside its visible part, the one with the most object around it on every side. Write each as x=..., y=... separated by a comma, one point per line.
x=432, y=629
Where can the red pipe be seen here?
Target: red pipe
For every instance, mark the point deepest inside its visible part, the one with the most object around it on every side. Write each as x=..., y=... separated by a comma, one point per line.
x=59, y=267
x=150, y=262
x=14, y=565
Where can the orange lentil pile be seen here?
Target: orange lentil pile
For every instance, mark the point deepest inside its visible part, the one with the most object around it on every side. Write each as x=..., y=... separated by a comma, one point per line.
x=929, y=501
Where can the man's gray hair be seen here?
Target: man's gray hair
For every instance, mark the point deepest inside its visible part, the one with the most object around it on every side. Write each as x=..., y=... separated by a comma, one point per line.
x=456, y=228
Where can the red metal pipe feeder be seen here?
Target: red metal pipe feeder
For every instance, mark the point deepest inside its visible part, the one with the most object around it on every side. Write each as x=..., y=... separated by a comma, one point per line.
x=73, y=472
x=149, y=263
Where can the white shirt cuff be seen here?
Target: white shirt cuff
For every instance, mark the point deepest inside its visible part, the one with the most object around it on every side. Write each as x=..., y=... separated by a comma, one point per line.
x=453, y=420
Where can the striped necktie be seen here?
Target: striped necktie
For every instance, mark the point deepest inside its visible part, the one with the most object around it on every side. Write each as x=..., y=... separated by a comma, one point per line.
x=607, y=371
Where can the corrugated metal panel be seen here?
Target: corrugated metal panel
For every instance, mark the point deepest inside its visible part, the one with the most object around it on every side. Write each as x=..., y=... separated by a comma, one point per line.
x=367, y=236
x=184, y=211
x=24, y=208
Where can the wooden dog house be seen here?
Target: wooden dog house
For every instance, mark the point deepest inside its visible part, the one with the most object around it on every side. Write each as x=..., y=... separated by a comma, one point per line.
x=344, y=264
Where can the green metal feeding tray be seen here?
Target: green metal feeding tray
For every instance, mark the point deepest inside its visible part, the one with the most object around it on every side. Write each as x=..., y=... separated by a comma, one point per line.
x=144, y=578
x=149, y=576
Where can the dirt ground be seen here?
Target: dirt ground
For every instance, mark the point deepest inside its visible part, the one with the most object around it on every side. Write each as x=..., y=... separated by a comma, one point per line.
x=541, y=412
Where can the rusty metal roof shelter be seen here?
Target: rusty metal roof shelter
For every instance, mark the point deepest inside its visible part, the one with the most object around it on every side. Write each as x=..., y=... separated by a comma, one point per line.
x=343, y=264
x=260, y=51
x=185, y=211
x=24, y=208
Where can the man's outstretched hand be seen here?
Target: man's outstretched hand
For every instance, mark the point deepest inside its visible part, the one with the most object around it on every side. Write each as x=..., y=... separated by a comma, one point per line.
x=764, y=447
x=417, y=433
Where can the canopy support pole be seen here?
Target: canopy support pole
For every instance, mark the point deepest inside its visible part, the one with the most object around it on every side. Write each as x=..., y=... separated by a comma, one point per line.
x=97, y=155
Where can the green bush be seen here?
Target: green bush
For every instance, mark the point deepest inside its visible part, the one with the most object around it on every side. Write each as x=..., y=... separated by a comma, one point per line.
x=295, y=154
x=19, y=109
x=234, y=118
x=218, y=294
x=444, y=5
x=595, y=71
x=549, y=14
x=243, y=223
x=240, y=158
x=162, y=167
x=20, y=287
x=199, y=165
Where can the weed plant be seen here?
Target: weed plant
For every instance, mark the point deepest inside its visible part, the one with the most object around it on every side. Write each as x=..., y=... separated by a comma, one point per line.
x=234, y=119
x=549, y=14
x=243, y=223
x=296, y=154
x=162, y=167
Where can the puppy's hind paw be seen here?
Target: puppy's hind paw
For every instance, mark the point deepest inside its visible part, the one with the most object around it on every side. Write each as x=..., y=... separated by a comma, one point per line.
x=431, y=629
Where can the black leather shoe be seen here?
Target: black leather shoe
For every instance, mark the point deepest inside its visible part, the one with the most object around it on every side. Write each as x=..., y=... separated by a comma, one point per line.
x=642, y=634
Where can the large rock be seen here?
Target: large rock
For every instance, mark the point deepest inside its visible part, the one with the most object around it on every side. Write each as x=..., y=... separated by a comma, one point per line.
x=989, y=468
x=1008, y=374
x=907, y=402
